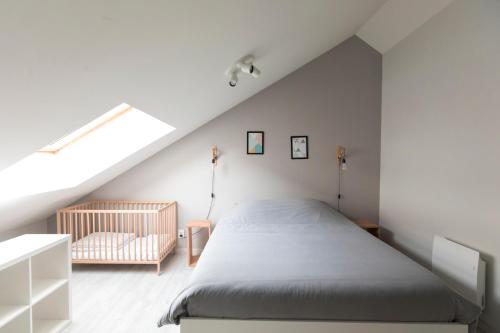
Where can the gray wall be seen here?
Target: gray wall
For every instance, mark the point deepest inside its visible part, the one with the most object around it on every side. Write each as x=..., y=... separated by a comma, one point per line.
x=440, y=165
x=335, y=99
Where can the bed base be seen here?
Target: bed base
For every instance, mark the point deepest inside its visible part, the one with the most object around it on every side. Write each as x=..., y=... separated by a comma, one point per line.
x=196, y=325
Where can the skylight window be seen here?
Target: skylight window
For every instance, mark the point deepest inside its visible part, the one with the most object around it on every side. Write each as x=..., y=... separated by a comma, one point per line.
x=82, y=154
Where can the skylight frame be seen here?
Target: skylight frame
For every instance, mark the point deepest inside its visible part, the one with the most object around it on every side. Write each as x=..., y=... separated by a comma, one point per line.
x=83, y=154
x=85, y=130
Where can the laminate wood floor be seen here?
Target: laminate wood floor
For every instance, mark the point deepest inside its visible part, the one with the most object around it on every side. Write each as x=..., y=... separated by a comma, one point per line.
x=125, y=298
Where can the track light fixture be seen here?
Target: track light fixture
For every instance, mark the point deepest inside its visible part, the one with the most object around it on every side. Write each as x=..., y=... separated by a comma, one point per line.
x=243, y=65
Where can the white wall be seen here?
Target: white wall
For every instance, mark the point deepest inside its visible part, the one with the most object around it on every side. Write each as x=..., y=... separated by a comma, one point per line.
x=335, y=99
x=440, y=161
x=34, y=228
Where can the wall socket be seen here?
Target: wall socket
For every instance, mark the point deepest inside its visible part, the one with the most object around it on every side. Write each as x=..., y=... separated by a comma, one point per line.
x=182, y=234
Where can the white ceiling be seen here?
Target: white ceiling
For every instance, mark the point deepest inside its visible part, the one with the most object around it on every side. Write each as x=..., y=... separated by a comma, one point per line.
x=64, y=63
x=397, y=19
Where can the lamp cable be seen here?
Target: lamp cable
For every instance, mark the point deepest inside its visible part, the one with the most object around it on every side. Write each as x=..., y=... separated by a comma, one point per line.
x=339, y=195
x=212, y=195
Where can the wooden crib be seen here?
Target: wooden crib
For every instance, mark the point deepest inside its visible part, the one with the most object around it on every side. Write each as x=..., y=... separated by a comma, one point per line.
x=120, y=232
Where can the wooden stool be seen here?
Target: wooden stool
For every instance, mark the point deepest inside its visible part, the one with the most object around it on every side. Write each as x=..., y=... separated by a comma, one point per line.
x=192, y=260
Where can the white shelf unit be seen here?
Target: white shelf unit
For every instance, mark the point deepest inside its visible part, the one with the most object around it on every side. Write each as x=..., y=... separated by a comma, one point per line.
x=35, y=280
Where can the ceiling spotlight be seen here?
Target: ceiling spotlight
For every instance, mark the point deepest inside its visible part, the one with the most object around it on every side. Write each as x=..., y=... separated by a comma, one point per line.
x=249, y=69
x=233, y=80
x=243, y=65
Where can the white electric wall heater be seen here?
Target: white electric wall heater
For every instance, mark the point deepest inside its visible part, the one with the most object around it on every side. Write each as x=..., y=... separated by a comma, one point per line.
x=461, y=267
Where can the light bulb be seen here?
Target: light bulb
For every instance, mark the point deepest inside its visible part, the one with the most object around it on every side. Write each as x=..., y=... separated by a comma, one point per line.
x=344, y=164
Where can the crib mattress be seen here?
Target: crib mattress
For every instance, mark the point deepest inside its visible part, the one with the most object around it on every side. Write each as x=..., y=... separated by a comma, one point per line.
x=133, y=248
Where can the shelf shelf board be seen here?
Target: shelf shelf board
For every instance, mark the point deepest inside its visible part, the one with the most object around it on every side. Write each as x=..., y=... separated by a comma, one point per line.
x=10, y=312
x=41, y=288
x=49, y=325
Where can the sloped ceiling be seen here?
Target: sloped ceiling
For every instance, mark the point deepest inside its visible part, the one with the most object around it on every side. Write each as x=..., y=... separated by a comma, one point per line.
x=396, y=20
x=63, y=63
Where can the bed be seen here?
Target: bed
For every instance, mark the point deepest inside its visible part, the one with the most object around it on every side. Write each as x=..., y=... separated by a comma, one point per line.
x=279, y=265
x=120, y=232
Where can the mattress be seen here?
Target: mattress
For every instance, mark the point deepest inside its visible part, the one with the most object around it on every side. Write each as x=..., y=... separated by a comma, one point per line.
x=106, y=239
x=128, y=250
x=302, y=260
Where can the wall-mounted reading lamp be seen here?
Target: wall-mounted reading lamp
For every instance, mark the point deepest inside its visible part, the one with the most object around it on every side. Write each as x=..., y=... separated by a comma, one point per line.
x=215, y=155
x=342, y=166
x=341, y=161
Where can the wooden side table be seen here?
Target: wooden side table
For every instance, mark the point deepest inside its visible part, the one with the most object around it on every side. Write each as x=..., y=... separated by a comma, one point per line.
x=369, y=226
x=192, y=260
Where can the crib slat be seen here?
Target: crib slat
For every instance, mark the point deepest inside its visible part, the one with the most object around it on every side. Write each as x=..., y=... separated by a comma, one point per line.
x=157, y=218
x=160, y=235
x=153, y=229
x=71, y=227
x=171, y=229
x=111, y=238
x=147, y=235
x=76, y=237
x=167, y=226
x=171, y=221
x=100, y=235
x=173, y=225
x=123, y=239
x=162, y=229
x=173, y=232
x=105, y=236
x=93, y=234
x=129, y=237
x=141, y=218
x=135, y=234
x=116, y=235
x=81, y=228
x=88, y=235
x=81, y=225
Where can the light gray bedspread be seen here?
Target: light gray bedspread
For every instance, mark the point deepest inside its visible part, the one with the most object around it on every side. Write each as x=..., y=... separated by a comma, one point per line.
x=301, y=259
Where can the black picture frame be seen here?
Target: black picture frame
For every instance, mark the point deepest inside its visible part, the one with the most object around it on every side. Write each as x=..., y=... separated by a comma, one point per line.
x=248, y=142
x=292, y=154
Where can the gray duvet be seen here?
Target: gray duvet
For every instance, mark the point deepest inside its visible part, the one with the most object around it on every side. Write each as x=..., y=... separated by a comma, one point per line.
x=301, y=259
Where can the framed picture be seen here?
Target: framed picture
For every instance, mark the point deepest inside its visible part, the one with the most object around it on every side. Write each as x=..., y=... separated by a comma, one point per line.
x=299, y=148
x=255, y=142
